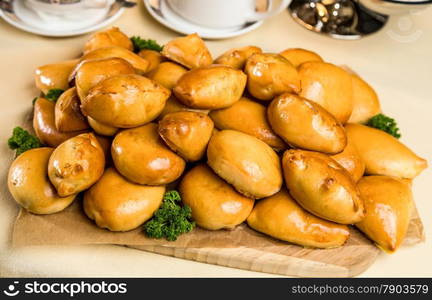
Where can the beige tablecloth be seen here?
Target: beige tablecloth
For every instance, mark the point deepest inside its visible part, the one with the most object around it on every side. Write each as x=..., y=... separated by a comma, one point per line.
x=396, y=61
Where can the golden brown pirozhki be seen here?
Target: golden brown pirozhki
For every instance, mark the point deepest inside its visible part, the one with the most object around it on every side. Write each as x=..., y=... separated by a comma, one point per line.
x=54, y=76
x=125, y=101
x=270, y=75
x=383, y=154
x=328, y=85
x=351, y=160
x=211, y=87
x=236, y=58
x=44, y=124
x=154, y=58
x=214, y=203
x=117, y=204
x=107, y=38
x=281, y=217
x=322, y=186
x=297, y=56
x=29, y=185
x=187, y=133
x=141, y=156
x=101, y=128
x=365, y=101
x=167, y=74
x=248, y=117
x=67, y=112
x=90, y=72
x=305, y=124
x=76, y=164
x=389, y=204
x=244, y=161
x=189, y=51
x=140, y=64
x=173, y=105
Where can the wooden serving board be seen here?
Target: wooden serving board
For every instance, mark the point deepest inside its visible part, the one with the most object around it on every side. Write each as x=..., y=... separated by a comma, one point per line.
x=290, y=260
x=241, y=248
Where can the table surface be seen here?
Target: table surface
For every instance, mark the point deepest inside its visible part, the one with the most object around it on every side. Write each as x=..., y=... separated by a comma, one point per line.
x=396, y=61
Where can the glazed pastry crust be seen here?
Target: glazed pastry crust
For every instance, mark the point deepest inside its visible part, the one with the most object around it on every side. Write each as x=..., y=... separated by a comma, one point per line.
x=44, y=124
x=189, y=51
x=29, y=185
x=281, y=217
x=54, y=76
x=186, y=133
x=90, y=72
x=383, y=154
x=110, y=37
x=167, y=74
x=214, y=203
x=125, y=101
x=297, y=56
x=322, y=186
x=117, y=204
x=270, y=75
x=140, y=155
x=76, y=164
x=328, y=85
x=211, y=87
x=305, y=124
x=140, y=64
x=154, y=58
x=365, y=101
x=248, y=117
x=351, y=160
x=67, y=112
x=389, y=204
x=236, y=58
x=247, y=163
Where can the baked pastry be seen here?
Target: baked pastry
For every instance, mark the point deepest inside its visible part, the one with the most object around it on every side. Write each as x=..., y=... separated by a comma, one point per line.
x=383, y=154
x=281, y=217
x=305, y=124
x=214, y=203
x=117, y=204
x=76, y=164
x=140, y=155
x=244, y=161
x=322, y=186
x=29, y=185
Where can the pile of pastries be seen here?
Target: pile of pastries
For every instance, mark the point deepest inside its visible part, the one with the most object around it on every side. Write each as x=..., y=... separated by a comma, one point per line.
x=274, y=140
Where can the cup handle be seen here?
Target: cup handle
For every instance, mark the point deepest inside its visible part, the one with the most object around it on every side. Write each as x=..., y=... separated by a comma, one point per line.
x=258, y=16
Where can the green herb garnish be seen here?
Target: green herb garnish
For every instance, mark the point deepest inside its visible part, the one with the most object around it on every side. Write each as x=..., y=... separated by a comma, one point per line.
x=384, y=123
x=54, y=94
x=171, y=219
x=34, y=100
x=141, y=44
x=21, y=141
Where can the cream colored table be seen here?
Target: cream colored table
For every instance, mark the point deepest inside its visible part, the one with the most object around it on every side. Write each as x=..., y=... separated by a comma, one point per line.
x=396, y=61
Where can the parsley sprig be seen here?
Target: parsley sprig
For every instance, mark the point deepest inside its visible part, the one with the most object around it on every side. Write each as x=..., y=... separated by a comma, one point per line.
x=21, y=141
x=54, y=94
x=141, y=44
x=384, y=123
x=171, y=219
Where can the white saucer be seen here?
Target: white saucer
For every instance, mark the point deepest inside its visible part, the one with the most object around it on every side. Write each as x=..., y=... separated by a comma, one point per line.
x=159, y=10
x=20, y=16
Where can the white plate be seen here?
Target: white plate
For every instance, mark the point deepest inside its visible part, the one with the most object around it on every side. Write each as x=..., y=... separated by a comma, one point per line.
x=25, y=19
x=159, y=10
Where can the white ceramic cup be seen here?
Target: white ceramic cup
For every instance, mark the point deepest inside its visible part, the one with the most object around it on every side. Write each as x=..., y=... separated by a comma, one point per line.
x=64, y=7
x=224, y=13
